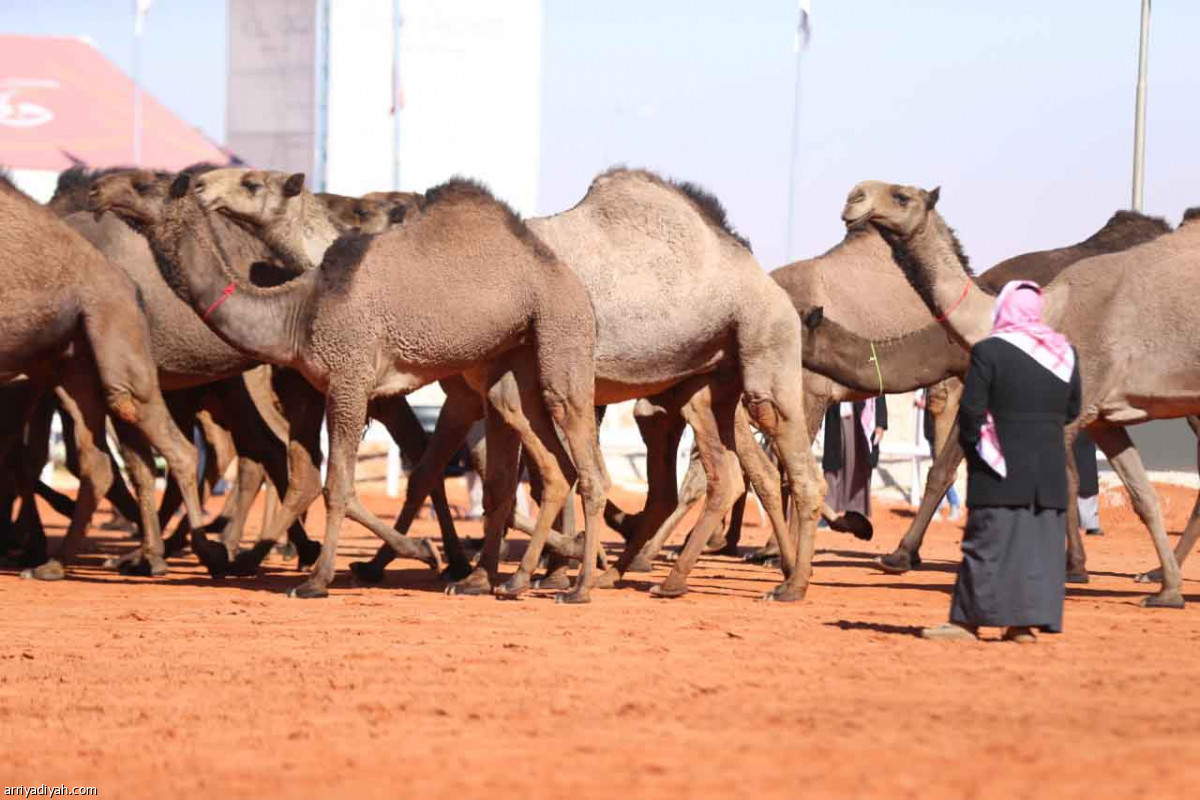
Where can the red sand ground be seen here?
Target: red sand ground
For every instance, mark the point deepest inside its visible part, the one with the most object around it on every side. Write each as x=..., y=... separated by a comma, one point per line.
x=181, y=688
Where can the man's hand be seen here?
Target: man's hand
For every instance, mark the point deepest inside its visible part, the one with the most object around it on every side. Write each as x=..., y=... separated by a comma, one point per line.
x=877, y=437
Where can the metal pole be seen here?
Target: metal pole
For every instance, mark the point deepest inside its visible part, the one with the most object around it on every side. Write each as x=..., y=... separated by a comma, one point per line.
x=137, y=99
x=1139, y=123
x=397, y=22
x=321, y=157
x=794, y=157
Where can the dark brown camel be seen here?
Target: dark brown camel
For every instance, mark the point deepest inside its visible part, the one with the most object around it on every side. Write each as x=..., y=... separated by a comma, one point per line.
x=64, y=297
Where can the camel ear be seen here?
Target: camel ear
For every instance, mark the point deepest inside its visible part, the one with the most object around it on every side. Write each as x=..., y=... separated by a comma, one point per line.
x=294, y=185
x=933, y=197
x=396, y=214
x=814, y=318
x=180, y=186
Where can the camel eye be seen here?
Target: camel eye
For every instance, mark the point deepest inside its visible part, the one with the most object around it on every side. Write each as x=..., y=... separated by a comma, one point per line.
x=361, y=213
x=252, y=187
x=901, y=199
x=141, y=187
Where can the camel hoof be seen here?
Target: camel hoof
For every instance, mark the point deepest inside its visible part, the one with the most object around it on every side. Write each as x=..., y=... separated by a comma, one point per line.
x=308, y=552
x=557, y=580
x=607, y=579
x=856, y=524
x=454, y=571
x=144, y=566
x=640, y=563
x=474, y=585
x=785, y=594
x=1164, y=599
x=244, y=566
x=573, y=598
x=287, y=551
x=214, y=557
x=52, y=570
x=514, y=587
x=668, y=591
x=1080, y=576
x=174, y=545
x=725, y=550
x=308, y=591
x=430, y=555
x=1153, y=576
x=761, y=556
x=366, y=572
x=897, y=562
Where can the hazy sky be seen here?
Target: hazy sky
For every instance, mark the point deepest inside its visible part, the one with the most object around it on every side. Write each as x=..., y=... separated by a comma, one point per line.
x=1022, y=110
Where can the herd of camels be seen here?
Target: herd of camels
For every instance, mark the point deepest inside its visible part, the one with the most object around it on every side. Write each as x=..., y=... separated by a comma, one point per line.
x=236, y=297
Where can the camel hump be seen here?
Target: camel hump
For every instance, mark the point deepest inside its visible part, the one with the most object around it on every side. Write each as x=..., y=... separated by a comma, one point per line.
x=467, y=190
x=1191, y=215
x=705, y=202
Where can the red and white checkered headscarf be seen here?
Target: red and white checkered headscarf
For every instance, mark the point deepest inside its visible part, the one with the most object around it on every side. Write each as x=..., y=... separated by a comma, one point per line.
x=1017, y=319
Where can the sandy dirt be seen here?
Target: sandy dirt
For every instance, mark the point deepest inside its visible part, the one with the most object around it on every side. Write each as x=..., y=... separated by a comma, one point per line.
x=179, y=687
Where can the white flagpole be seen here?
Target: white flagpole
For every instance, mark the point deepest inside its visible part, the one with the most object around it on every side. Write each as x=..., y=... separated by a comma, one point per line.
x=1139, y=119
x=802, y=34
x=137, y=100
x=140, y=9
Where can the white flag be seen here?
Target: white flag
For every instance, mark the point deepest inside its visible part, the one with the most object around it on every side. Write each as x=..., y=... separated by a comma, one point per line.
x=140, y=9
x=803, y=29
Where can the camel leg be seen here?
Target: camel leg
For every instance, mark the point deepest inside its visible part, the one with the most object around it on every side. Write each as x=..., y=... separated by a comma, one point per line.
x=775, y=401
x=345, y=414
x=691, y=491
x=1191, y=533
x=303, y=407
x=402, y=423
x=499, y=495
x=765, y=479
x=941, y=477
x=710, y=412
x=80, y=397
x=251, y=474
x=458, y=414
x=517, y=402
x=1124, y=459
x=660, y=422
x=149, y=558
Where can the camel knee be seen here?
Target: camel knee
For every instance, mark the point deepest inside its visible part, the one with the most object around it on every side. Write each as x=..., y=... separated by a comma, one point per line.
x=95, y=468
x=764, y=414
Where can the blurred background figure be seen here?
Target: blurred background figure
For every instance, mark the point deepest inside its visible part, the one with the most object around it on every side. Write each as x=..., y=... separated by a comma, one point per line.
x=853, y=432
x=1089, y=485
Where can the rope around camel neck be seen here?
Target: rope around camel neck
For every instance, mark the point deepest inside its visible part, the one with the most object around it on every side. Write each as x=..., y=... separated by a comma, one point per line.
x=878, y=372
x=226, y=293
x=945, y=317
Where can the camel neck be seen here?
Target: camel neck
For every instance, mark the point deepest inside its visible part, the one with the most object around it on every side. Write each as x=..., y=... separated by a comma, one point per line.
x=933, y=263
x=263, y=322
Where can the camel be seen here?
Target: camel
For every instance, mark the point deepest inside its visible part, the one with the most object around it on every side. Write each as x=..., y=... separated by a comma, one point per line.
x=353, y=340
x=926, y=354
x=652, y=342
x=137, y=198
x=72, y=318
x=367, y=214
x=1136, y=351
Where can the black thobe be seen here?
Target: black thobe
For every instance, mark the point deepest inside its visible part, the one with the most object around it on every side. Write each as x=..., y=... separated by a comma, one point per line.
x=1014, y=562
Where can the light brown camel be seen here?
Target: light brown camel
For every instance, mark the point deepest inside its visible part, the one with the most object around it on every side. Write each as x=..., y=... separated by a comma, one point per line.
x=925, y=354
x=62, y=294
x=354, y=339
x=688, y=339
x=1137, y=351
x=298, y=408
x=367, y=214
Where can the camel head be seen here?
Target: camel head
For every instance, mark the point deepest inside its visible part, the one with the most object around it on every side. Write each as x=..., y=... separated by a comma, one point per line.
x=254, y=196
x=900, y=209
x=136, y=196
x=358, y=214
x=400, y=206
